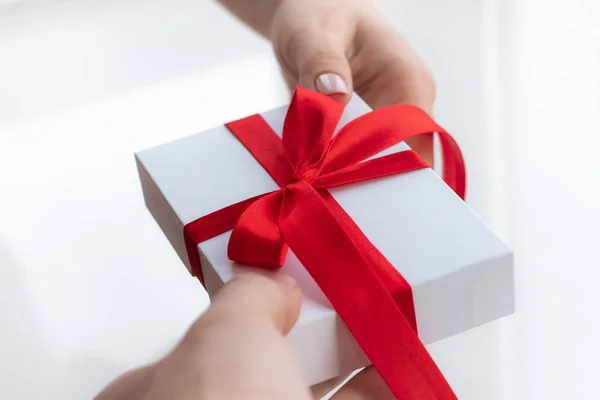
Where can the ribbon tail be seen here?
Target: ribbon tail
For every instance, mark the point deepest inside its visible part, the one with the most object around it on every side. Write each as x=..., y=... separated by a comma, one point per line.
x=392, y=164
x=309, y=126
x=389, y=277
x=376, y=131
x=453, y=164
x=384, y=127
x=328, y=253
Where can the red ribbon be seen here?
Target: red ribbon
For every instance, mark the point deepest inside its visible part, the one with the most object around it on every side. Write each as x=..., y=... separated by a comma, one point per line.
x=371, y=297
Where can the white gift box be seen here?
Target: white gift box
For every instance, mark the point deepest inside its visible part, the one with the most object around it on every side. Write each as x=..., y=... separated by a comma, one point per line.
x=460, y=272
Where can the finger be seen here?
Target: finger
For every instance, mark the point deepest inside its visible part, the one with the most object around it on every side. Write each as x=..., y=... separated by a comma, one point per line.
x=218, y=357
x=403, y=81
x=365, y=385
x=291, y=81
x=274, y=301
x=318, y=57
x=393, y=73
x=244, y=327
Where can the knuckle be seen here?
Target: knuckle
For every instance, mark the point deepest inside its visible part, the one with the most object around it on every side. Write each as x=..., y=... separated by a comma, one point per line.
x=322, y=59
x=287, y=46
x=308, y=47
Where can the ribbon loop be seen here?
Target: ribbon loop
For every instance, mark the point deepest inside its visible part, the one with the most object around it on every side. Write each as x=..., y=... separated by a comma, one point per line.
x=256, y=239
x=308, y=128
x=209, y=226
x=391, y=164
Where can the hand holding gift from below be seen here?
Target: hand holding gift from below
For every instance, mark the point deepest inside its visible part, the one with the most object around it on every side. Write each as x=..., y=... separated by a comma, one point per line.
x=237, y=350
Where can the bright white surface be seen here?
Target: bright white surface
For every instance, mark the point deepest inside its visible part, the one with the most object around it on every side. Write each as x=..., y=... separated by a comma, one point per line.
x=84, y=84
x=460, y=281
x=552, y=105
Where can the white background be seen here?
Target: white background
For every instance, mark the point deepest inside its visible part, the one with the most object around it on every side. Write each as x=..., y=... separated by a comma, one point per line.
x=89, y=287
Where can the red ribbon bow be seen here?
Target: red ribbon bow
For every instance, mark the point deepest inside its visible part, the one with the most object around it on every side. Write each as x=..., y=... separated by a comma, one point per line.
x=371, y=297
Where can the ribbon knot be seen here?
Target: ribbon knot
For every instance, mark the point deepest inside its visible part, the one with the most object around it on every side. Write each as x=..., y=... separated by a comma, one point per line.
x=307, y=175
x=368, y=293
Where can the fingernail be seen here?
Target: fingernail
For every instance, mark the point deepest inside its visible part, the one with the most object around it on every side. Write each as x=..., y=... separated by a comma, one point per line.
x=285, y=281
x=331, y=84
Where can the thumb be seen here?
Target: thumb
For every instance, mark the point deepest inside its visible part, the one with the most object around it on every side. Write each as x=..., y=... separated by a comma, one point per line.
x=273, y=301
x=322, y=65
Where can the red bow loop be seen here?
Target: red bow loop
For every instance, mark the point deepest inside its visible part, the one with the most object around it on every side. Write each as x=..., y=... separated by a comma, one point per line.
x=376, y=131
x=256, y=239
x=307, y=131
x=307, y=153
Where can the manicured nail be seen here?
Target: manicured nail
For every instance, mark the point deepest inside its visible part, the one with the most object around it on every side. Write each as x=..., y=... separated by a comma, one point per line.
x=331, y=84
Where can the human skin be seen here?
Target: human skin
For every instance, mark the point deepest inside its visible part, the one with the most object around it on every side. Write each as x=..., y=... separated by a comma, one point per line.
x=340, y=46
x=237, y=349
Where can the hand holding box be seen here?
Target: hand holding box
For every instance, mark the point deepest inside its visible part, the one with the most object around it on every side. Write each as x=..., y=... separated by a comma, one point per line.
x=376, y=300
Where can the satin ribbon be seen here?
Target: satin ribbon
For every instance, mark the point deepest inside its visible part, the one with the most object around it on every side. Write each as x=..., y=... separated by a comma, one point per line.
x=368, y=293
